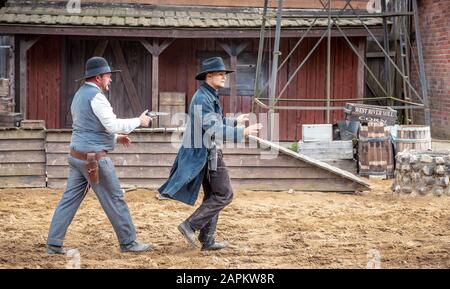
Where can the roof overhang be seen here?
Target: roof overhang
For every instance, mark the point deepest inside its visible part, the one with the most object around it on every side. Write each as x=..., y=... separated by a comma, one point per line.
x=24, y=17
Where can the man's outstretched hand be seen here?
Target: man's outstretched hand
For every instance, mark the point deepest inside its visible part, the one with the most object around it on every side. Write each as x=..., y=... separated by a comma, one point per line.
x=123, y=140
x=241, y=119
x=252, y=129
x=145, y=119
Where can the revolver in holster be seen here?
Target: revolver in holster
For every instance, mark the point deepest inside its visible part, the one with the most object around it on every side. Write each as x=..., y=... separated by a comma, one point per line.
x=92, y=168
x=212, y=158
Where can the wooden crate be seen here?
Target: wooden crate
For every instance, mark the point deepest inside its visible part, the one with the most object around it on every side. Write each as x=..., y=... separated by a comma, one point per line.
x=32, y=124
x=4, y=87
x=6, y=104
x=329, y=150
x=317, y=132
x=11, y=119
x=174, y=103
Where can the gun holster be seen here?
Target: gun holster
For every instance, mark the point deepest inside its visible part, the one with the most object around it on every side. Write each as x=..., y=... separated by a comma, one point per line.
x=92, y=168
x=212, y=159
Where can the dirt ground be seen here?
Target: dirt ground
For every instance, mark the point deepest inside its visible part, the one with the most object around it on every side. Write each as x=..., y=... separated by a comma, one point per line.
x=265, y=230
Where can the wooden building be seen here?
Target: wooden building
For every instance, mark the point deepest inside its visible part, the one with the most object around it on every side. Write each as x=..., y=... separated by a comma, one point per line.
x=159, y=48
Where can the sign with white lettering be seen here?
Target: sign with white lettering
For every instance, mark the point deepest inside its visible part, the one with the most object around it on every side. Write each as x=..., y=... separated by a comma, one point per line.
x=365, y=113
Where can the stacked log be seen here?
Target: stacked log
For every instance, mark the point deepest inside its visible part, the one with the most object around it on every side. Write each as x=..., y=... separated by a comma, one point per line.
x=422, y=173
x=7, y=116
x=6, y=102
x=6, y=105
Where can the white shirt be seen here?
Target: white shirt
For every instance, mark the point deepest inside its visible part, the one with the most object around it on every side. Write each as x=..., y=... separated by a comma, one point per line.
x=104, y=112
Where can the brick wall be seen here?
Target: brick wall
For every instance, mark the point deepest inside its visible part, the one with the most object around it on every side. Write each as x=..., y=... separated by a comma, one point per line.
x=435, y=31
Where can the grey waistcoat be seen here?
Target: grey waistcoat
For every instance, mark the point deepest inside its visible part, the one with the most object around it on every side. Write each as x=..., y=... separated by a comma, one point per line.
x=89, y=134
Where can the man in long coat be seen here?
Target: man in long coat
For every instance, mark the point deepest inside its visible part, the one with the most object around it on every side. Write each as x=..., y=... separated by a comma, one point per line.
x=200, y=159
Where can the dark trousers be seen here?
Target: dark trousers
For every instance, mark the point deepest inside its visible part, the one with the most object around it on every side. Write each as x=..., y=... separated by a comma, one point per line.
x=217, y=195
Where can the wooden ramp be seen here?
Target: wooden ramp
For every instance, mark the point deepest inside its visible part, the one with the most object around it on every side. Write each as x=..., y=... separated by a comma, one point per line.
x=256, y=165
x=337, y=179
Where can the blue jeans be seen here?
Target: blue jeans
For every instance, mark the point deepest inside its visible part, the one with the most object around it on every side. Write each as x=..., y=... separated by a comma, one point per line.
x=109, y=194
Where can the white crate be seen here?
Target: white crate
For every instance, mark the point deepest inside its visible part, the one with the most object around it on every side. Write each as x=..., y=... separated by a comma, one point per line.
x=317, y=132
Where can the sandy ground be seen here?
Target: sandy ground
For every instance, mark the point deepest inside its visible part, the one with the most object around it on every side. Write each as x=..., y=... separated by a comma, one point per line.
x=265, y=230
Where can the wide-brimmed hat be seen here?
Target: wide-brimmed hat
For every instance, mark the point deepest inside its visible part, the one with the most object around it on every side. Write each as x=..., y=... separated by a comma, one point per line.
x=214, y=64
x=96, y=66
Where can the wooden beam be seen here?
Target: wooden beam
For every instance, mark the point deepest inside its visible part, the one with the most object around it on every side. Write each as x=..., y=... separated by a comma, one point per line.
x=233, y=49
x=155, y=87
x=63, y=84
x=25, y=45
x=127, y=79
x=149, y=46
x=175, y=33
x=360, y=74
x=100, y=49
x=362, y=184
x=11, y=68
x=155, y=48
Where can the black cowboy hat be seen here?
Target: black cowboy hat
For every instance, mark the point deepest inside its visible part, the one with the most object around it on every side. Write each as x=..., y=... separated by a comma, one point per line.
x=214, y=64
x=95, y=66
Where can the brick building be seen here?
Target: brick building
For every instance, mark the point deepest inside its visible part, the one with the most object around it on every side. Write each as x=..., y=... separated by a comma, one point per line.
x=435, y=29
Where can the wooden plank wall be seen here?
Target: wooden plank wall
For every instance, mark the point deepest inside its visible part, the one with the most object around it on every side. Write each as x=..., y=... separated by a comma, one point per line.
x=44, y=81
x=147, y=163
x=139, y=64
x=22, y=158
x=179, y=64
x=178, y=71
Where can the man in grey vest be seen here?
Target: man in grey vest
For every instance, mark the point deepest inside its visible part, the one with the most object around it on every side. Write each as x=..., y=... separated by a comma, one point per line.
x=96, y=130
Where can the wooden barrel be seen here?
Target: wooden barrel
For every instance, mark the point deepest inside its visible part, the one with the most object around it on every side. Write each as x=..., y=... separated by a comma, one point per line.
x=375, y=153
x=413, y=137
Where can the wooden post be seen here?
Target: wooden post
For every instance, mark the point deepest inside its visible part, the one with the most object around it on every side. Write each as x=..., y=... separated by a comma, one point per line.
x=360, y=74
x=155, y=87
x=63, y=84
x=155, y=48
x=11, y=67
x=233, y=84
x=233, y=49
x=25, y=45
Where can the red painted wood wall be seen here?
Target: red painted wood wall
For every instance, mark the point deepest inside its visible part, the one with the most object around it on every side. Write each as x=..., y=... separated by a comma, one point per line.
x=178, y=71
x=179, y=63
x=44, y=81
